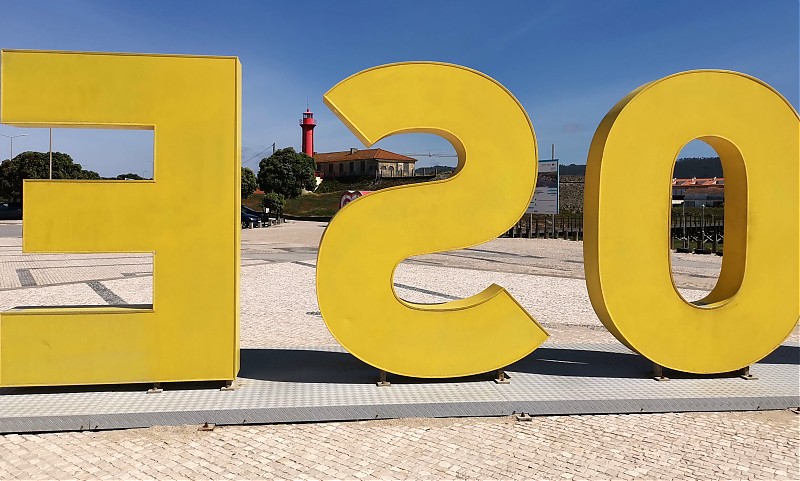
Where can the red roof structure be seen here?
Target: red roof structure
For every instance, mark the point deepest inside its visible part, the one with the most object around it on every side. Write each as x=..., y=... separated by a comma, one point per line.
x=696, y=192
x=356, y=154
x=695, y=182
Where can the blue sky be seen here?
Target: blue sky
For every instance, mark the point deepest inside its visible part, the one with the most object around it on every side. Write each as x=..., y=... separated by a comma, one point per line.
x=567, y=61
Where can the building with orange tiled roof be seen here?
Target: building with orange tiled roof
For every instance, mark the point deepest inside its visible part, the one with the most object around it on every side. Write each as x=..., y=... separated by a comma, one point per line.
x=695, y=192
x=366, y=162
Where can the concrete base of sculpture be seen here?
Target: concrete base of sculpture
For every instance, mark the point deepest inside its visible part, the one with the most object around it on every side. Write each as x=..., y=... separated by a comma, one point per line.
x=297, y=385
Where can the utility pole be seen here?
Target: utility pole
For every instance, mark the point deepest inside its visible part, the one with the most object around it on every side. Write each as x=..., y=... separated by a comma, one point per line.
x=11, y=138
x=553, y=157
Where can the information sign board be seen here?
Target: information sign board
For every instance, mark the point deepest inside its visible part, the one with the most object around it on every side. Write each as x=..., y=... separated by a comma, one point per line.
x=545, y=196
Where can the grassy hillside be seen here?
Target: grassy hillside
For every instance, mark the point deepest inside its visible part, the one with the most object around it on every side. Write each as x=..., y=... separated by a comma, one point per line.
x=313, y=204
x=324, y=202
x=254, y=201
x=371, y=183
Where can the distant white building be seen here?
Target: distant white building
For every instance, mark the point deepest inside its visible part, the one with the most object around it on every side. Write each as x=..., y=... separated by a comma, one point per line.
x=699, y=192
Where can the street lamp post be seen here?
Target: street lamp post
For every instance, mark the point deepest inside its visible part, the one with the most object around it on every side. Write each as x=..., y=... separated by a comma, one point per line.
x=12, y=137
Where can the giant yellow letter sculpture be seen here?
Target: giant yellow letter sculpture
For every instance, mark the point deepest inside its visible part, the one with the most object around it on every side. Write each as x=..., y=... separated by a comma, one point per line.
x=497, y=155
x=756, y=301
x=188, y=217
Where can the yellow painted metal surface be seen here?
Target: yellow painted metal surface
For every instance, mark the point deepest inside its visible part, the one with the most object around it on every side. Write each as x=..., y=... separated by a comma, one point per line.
x=188, y=217
x=756, y=301
x=367, y=239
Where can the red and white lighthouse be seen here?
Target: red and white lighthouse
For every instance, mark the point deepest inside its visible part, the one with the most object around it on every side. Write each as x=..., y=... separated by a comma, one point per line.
x=308, y=124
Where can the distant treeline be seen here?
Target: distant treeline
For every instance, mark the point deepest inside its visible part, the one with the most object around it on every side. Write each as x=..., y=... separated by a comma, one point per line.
x=36, y=165
x=700, y=167
x=434, y=168
x=572, y=169
x=686, y=168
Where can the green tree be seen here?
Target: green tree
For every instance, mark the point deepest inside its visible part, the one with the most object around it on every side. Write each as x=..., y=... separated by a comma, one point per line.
x=274, y=202
x=287, y=172
x=36, y=165
x=249, y=183
x=130, y=176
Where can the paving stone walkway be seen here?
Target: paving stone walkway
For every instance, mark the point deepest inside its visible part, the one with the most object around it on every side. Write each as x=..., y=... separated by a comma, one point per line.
x=278, y=265
x=762, y=445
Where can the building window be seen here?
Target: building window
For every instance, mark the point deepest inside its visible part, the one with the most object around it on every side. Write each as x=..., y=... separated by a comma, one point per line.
x=352, y=168
x=363, y=166
x=330, y=169
x=341, y=168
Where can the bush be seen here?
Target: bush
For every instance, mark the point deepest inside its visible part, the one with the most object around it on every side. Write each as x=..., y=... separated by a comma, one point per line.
x=274, y=202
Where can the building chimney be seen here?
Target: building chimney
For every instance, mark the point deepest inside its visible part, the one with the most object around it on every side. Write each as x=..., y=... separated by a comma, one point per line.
x=308, y=124
x=353, y=150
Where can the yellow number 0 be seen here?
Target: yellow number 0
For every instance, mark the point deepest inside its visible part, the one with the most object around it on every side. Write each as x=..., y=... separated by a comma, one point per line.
x=497, y=173
x=756, y=301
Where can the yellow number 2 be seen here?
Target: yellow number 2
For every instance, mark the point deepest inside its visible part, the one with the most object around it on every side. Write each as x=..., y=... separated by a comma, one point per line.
x=496, y=149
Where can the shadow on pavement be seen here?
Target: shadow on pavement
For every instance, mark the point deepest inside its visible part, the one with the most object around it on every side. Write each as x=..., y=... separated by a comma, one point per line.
x=308, y=366
x=552, y=361
x=293, y=365
x=783, y=355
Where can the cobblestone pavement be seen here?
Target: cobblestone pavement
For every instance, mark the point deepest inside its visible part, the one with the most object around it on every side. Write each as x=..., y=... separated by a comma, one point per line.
x=278, y=265
x=643, y=446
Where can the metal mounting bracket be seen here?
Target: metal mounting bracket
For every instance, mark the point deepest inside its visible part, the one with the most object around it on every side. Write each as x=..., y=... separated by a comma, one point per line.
x=501, y=377
x=744, y=373
x=382, y=382
x=156, y=389
x=658, y=373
